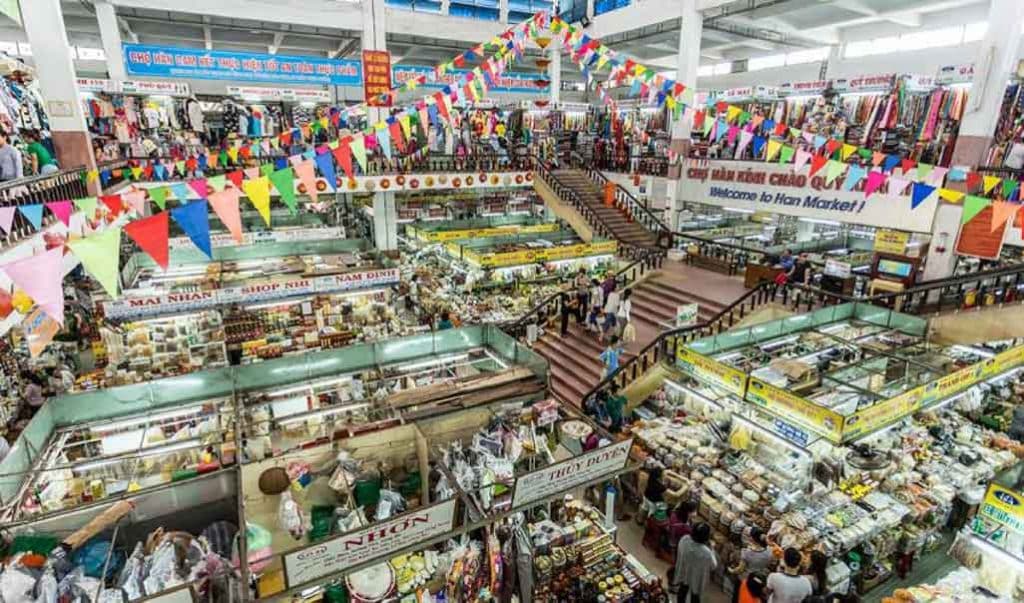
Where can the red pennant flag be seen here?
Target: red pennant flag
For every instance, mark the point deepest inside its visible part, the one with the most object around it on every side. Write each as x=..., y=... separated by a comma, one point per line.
x=343, y=155
x=191, y=163
x=781, y=129
x=698, y=120
x=150, y=234
x=678, y=89
x=721, y=106
x=907, y=165
x=396, y=136
x=630, y=65
x=441, y=107
x=148, y=171
x=236, y=178
x=286, y=138
x=973, y=181
x=113, y=203
x=459, y=61
x=817, y=162
x=831, y=146
x=245, y=152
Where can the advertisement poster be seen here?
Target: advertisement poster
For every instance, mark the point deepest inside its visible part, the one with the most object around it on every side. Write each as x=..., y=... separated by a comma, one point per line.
x=562, y=476
x=977, y=238
x=379, y=541
x=176, y=62
x=686, y=315
x=376, y=77
x=891, y=241
x=39, y=330
x=771, y=187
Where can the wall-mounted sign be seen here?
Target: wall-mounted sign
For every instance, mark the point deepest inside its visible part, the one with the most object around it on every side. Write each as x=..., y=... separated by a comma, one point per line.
x=977, y=238
x=133, y=87
x=803, y=88
x=379, y=541
x=377, y=77
x=864, y=83
x=769, y=187
x=175, y=62
x=255, y=93
x=891, y=241
x=955, y=74
x=567, y=474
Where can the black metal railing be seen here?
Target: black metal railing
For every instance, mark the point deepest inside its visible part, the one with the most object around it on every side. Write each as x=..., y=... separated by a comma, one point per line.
x=665, y=345
x=625, y=200
x=650, y=259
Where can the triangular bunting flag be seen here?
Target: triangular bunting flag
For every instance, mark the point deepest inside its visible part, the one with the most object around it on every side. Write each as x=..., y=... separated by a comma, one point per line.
x=906, y=165
x=61, y=209
x=877, y=158
x=41, y=277
x=919, y=193
x=325, y=163
x=802, y=157
x=833, y=170
x=874, y=182
x=854, y=174
x=1008, y=187
x=891, y=161
x=937, y=176
x=258, y=192
x=848, y=149
x=773, y=149
x=150, y=234
x=973, y=180
x=194, y=219
x=136, y=200
x=786, y=153
x=343, y=155
x=34, y=214
x=86, y=205
x=99, y=255
x=159, y=196
x=973, y=205
x=923, y=169
x=217, y=183
x=990, y=183
x=284, y=182
x=817, y=162
x=897, y=186
x=1001, y=212
x=225, y=204
x=358, y=146
x=236, y=178
x=180, y=190
x=7, y=218
x=950, y=195
x=307, y=177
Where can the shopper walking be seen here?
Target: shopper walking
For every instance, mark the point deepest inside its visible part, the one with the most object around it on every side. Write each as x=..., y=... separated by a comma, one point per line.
x=610, y=356
x=581, y=282
x=615, y=406
x=694, y=563
x=754, y=558
x=10, y=160
x=654, y=495
x=788, y=586
x=568, y=308
x=817, y=573
x=625, y=308
x=611, y=312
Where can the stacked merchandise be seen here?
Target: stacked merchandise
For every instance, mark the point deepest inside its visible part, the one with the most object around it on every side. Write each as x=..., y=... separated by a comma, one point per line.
x=1008, y=140
x=961, y=584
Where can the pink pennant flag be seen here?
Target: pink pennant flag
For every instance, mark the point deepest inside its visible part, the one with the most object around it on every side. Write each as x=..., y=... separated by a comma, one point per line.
x=897, y=185
x=306, y=175
x=802, y=157
x=7, y=218
x=745, y=138
x=295, y=160
x=875, y=180
x=937, y=177
x=225, y=204
x=41, y=276
x=61, y=209
x=199, y=186
x=730, y=137
x=252, y=173
x=137, y=200
x=265, y=145
x=808, y=138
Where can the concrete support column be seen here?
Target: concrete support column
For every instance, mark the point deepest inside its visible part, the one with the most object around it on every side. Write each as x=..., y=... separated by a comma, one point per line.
x=995, y=61
x=446, y=7
x=110, y=34
x=590, y=9
x=555, y=72
x=374, y=38
x=44, y=25
x=503, y=11
x=687, y=62
x=385, y=221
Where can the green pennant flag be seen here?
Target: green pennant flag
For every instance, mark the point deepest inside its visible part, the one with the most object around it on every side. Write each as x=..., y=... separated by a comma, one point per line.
x=86, y=205
x=833, y=169
x=358, y=146
x=99, y=256
x=786, y=154
x=707, y=125
x=222, y=158
x=973, y=206
x=284, y=181
x=332, y=144
x=159, y=195
x=1008, y=185
x=315, y=126
x=181, y=167
x=864, y=153
x=744, y=118
x=795, y=133
x=923, y=169
x=267, y=169
x=218, y=183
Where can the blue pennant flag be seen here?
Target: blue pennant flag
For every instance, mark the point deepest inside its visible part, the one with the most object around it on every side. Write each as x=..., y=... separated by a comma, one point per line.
x=195, y=221
x=853, y=175
x=160, y=171
x=105, y=177
x=384, y=140
x=280, y=163
x=432, y=114
x=309, y=154
x=635, y=88
x=325, y=161
x=757, y=144
x=202, y=162
x=768, y=125
x=919, y=194
x=180, y=190
x=891, y=161
x=723, y=128
x=33, y=213
x=819, y=141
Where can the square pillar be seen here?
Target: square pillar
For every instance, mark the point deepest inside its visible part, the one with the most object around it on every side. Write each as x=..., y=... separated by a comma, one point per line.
x=385, y=221
x=110, y=34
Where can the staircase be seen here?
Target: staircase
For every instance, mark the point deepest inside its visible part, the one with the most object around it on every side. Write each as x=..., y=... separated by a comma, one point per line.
x=655, y=301
x=574, y=363
x=621, y=227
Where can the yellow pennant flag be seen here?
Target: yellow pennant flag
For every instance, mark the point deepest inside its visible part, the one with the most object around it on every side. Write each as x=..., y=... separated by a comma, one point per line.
x=773, y=149
x=670, y=103
x=951, y=195
x=136, y=172
x=732, y=113
x=601, y=60
x=848, y=149
x=92, y=176
x=233, y=154
x=324, y=122
x=258, y=191
x=274, y=142
x=990, y=183
x=404, y=120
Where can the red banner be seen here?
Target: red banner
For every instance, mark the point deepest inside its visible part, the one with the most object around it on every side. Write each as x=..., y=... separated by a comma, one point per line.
x=377, y=77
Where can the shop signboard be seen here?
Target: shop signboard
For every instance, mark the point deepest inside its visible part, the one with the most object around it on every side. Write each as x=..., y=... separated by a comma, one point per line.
x=891, y=241
x=796, y=410
x=1004, y=507
x=507, y=82
x=775, y=188
x=570, y=473
x=173, y=303
x=711, y=371
x=255, y=93
x=550, y=254
x=286, y=235
x=686, y=315
x=377, y=78
x=198, y=63
x=865, y=83
x=86, y=84
x=889, y=411
x=955, y=74
x=440, y=236
x=810, y=88
x=379, y=541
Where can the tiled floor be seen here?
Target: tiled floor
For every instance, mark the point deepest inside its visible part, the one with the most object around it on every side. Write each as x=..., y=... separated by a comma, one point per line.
x=708, y=284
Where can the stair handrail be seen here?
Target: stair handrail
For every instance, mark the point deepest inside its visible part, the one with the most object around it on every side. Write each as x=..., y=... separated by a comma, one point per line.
x=647, y=218
x=666, y=343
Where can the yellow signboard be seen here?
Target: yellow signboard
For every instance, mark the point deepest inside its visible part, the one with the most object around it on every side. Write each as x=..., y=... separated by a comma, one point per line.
x=440, y=236
x=889, y=411
x=1004, y=507
x=794, y=409
x=711, y=371
x=891, y=241
x=543, y=254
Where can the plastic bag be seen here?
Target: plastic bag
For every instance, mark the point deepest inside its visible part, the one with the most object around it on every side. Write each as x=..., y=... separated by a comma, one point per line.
x=289, y=516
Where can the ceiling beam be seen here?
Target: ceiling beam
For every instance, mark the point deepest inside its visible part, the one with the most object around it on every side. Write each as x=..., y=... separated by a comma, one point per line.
x=909, y=19
x=345, y=47
x=278, y=38
x=126, y=29
x=907, y=15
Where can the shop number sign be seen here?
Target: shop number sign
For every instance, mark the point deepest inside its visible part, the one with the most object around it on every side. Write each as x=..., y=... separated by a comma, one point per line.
x=379, y=541
x=568, y=474
x=1003, y=507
